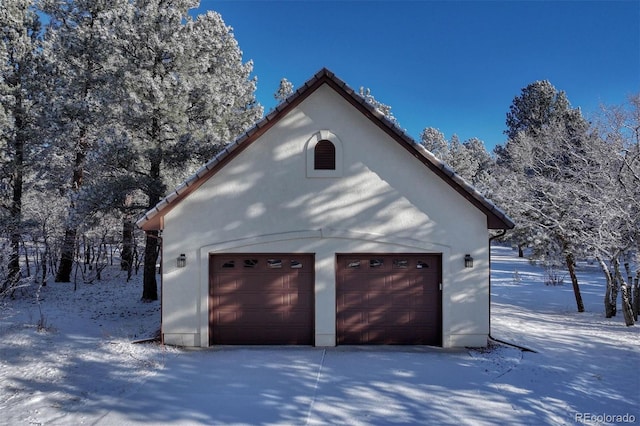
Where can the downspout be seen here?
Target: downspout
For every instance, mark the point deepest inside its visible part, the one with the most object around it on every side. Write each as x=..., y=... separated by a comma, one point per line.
x=522, y=348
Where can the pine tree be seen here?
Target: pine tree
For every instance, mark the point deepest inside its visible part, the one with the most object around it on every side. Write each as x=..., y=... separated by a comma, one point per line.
x=80, y=65
x=19, y=49
x=538, y=105
x=540, y=178
x=384, y=109
x=434, y=141
x=285, y=89
x=185, y=93
x=468, y=159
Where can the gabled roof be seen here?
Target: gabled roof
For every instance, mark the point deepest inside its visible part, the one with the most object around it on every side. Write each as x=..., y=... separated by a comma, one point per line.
x=496, y=218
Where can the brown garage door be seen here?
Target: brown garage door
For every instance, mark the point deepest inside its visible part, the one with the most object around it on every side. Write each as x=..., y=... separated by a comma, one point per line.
x=261, y=299
x=389, y=299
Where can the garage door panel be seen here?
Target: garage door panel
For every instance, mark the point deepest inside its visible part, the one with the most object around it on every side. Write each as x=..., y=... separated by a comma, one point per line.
x=253, y=300
x=262, y=336
x=225, y=286
x=414, y=300
x=402, y=297
x=364, y=321
x=262, y=316
x=301, y=302
x=352, y=298
x=228, y=317
x=255, y=317
x=388, y=299
x=400, y=318
x=405, y=284
x=255, y=282
x=390, y=318
x=261, y=299
x=392, y=336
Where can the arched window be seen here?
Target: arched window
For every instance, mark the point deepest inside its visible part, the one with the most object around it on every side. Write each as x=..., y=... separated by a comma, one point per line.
x=324, y=156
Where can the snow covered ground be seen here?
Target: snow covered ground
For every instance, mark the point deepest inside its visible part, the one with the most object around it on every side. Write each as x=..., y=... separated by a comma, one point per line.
x=68, y=360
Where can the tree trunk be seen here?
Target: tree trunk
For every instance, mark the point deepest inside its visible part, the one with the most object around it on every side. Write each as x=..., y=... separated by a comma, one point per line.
x=609, y=304
x=627, y=310
x=13, y=275
x=636, y=296
x=27, y=264
x=520, y=251
x=151, y=251
x=617, y=281
x=126, y=261
x=14, y=256
x=45, y=258
x=128, y=238
x=63, y=275
x=68, y=246
x=626, y=305
x=571, y=265
x=15, y=209
x=627, y=269
x=155, y=191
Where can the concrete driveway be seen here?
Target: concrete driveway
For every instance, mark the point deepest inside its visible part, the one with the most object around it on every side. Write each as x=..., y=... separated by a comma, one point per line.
x=316, y=386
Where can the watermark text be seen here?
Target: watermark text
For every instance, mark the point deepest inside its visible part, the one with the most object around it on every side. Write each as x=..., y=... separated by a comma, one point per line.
x=602, y=418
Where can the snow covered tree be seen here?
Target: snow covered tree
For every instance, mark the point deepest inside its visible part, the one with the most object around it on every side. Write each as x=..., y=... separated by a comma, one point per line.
x=382, y=108
x=469, y=159
x=574, y=191
x=540, y=191
x=482, y=165
x=538, y=105
x=285, y=89
x=541, y=182
x=19, y=50
x=79, y=54
x=617, y=202
x=185, y=94
x=434, y=141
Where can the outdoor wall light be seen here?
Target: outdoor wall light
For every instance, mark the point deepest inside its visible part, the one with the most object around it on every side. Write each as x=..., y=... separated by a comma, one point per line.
x=468, y=261
x=182, y=260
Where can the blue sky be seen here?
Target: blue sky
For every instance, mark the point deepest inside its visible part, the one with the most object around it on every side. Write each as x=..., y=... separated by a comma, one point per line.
x=454, y=65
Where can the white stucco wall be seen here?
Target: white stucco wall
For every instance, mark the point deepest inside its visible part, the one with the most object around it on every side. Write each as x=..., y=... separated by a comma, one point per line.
x=384, y=201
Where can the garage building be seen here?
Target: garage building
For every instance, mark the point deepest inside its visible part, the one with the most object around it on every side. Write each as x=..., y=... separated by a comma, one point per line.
x=325, y=225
